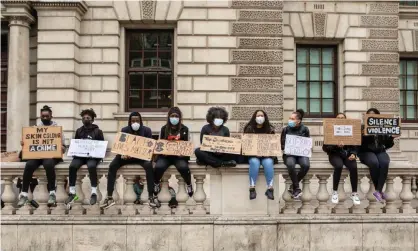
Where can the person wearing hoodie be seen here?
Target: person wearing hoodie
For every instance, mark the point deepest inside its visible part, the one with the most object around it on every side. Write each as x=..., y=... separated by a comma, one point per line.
x=340, y=155
x=137, y=128
x=173, y=130
x=48, y=164
x=373, y=154
x=295, y=127
x=88, y=131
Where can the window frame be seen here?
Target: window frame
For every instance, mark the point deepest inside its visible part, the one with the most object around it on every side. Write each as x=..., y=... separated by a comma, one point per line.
x=128, y=69
x=403, y=91
x=405, y=3
x=335, y=75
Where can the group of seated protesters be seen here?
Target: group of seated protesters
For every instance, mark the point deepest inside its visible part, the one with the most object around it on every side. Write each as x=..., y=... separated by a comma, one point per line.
x=372, y=153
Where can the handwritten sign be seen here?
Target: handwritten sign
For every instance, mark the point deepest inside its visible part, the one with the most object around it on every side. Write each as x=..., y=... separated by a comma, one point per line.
x=298, y=146
x=42, y=142
x=10, y=157
x=174, y=147
x=382, y=124
x=261, y=145
x=342, y=131
x=87, y=148
x=133, y=146
x=219, y=144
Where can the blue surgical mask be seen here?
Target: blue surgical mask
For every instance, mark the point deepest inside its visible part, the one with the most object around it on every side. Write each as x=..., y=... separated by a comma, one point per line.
x=218, y=122
x=291, y=123
x=174, y=121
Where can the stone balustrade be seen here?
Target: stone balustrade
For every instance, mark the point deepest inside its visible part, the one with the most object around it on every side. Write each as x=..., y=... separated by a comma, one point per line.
x=220, y=192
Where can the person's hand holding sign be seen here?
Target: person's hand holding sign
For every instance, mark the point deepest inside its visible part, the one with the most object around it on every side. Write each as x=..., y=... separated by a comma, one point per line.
x=352, y=157
x=21, y=143
x=125, y=157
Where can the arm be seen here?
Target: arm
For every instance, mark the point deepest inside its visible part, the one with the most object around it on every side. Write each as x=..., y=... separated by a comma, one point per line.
x=100, y=135
x=161, y=132
x=328, y=148
x=227, y=133
x=203, y=132
x=354, y=150
x=283, y=138
x=307, y=134
x=77, y=135
x=388, y=141
x=148, y=133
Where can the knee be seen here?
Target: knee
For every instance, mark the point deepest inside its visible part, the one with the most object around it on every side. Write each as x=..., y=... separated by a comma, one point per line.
x=290, y=164
x=305, y=166
x=182, y=165
x=30, y=166
x=254, y=162
x=268, y=163
x=147, y=165
x=91, y=166
x=49, y=164
x=197, y=152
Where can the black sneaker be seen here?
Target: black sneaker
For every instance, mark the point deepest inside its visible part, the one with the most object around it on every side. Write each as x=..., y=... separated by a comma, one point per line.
x=157, y=188
x=290, y=189
x=229, y=163
x=297, y=194
x=71, y=198
x=253, y=194
x=108, y=202
x=138, y=202
x=93, y=199
x=154, y=202
x=200, y=163
x=270, y=193
x=189, y=189
x=52, y=201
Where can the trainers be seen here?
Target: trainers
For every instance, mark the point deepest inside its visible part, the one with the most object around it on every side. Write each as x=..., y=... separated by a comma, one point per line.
x=138, y=202
x=384, y=196
x=334, y=197
x=200, y=163
x=355, y=198
x=71, y=198
x=189, y=189
x=290, y=189
x=52, y=201
x=108, y=202
x=154, y=202
x=157, y=188
x=297, y=193
x=93, y=199
x=230, y=163
x=253, y=194
x=270, y=193
x=22, y=201
x=378, y=196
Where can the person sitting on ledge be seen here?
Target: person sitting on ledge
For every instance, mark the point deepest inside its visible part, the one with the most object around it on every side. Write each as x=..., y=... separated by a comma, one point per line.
x=216, y=118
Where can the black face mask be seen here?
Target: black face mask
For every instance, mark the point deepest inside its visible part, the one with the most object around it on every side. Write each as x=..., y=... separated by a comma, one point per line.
x=46, y=121
x=86, y=122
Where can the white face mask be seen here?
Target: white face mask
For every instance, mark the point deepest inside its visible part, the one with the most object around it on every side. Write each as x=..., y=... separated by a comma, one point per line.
x=218, y=122
x=260, y=120
x=135, y=126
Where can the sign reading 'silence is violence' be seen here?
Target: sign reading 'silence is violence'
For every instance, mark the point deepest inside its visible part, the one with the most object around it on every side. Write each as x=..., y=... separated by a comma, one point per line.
x=382, y=124
x=42, y=142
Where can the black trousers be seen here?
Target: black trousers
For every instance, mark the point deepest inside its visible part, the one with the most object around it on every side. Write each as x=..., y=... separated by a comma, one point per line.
x=378, y=164
x=118, y=162
x=76, y=163
x=163, y=162
x=290, y=162
x=32, y=165
x=212, y=159
x=338, y=162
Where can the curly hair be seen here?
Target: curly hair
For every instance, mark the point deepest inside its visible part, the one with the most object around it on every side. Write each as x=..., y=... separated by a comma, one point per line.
x=252, y=124
x=46, y=108
x=89, y=112
x=216, y=112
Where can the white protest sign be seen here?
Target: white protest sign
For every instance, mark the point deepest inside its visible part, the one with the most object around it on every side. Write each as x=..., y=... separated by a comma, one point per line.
x=298, y=146
x=87, y=148
x=343, y=130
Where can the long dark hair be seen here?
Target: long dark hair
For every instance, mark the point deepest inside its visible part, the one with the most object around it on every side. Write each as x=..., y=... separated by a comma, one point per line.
x=252, y=124
x=169, y=126
x=299, y=114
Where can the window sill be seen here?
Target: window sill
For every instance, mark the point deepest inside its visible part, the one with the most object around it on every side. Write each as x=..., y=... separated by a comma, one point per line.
x=144, y=115
x=408, y=12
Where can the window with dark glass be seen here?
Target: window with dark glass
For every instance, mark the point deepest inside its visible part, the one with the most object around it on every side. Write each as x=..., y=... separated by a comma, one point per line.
x=149, y=70
x=408, y=86
x=408, y=3
x=316, y=88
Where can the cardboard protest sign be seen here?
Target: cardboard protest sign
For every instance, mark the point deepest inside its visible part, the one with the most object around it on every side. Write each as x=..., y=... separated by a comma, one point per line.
x=342, y=131
x=298, y=146
x=10, y=157
x=87, y=148
x=265, y=145
x=42, y=142
x=219, y=144
x=133, y=146
x=382, y=124
x=174, y=147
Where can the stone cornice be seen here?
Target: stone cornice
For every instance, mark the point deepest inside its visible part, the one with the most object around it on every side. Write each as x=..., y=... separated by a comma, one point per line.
x=77, y=5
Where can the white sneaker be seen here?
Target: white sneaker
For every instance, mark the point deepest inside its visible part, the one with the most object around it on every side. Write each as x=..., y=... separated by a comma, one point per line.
x=334, y=197
x=356, y=200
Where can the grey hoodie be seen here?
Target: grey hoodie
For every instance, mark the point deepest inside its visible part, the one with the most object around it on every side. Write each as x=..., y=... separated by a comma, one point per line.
x=53, y=123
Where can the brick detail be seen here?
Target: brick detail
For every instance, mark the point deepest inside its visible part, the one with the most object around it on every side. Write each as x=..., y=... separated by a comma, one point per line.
x=260, y=70
x=245, y=112
x=260, y=15
x=379, y=94
x=277, y=126
x=260, y=43
x=383, y=33
x=384, y=57
x=379, y=45
x=260, y=99
x=384, y=82
x=386, y=107
x=253, y=56
x=379, y=21
x=257, y=84
x=257, y=4
x=380, y=69
x=148, y=9
x=257, y=29
x=319, y=24
x=392, y=8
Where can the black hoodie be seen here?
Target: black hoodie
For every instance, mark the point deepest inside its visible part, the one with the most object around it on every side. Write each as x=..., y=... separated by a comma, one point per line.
x=93, y=132
x=143, y=130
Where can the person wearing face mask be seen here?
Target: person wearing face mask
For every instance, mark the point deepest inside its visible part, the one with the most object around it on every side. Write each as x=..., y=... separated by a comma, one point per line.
x=48, y=164
x=137, y=128
x=260, y=124
x=373, y=154
x=88, y=131
x=216, y=118
x=340, y=155
x=173, y=130
x=295, y=127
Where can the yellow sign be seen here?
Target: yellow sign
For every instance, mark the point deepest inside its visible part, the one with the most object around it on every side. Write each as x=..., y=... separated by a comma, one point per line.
x=42, y=142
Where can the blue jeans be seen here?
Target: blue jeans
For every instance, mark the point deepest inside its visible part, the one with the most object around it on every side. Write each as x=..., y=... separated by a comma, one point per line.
x=268, y=166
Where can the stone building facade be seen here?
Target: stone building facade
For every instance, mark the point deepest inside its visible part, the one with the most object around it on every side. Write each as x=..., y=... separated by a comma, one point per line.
x=121, y=56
